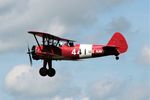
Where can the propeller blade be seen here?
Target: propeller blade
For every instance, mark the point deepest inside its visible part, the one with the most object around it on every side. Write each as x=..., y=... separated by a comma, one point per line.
x=29, y=52
x=30, y=59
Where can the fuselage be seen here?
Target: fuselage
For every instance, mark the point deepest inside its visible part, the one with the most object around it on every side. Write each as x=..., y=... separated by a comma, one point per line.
x=57, y=48
x=65, y=52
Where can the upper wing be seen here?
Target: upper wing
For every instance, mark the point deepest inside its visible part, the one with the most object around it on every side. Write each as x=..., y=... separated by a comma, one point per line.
x=50, y=36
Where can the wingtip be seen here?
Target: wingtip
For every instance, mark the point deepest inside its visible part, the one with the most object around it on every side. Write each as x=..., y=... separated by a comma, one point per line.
x=31, y=31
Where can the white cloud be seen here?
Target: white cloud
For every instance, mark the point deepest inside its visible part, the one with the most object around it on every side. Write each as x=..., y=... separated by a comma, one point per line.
x=104, y=89
x=56, y=27
x=65, y=16
x=85, y=98
x=7, y=46
x=25, y=82
x=145, y=55
x=6, y=4
x=120, y=24
x=114, y=89
x=138, y=92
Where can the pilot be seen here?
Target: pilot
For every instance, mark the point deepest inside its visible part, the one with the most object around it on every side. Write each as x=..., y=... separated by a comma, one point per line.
x=71, y=44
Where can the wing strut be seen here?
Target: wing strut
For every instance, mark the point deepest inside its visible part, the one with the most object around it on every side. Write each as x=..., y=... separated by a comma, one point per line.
x=37, y=42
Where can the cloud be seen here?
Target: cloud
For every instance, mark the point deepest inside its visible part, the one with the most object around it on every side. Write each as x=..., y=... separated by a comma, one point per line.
x=104, y=89
x=145, y=55
x=56, y=27
x=6, y=6
x=138, y=92
x=120, y=24
x=8, y=45
x=24, y=82
x=117, y=89
x=54, y=16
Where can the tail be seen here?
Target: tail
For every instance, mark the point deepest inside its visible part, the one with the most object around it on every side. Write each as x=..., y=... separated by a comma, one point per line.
x=119, y=42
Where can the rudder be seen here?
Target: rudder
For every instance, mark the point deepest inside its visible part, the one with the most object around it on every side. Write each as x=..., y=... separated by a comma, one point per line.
x=119, y=41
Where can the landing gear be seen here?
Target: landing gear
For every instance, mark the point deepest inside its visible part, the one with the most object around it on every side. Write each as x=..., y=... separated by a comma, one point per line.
x=43, y=71
x=117, y=58
x=50, y=71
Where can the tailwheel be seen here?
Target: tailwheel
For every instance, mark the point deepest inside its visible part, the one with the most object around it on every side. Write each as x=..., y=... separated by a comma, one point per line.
x=51, y=72
x=43, y=71
x=117, y=58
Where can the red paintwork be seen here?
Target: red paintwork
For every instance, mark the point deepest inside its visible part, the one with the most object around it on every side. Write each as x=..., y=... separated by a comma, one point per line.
x=66, y=51
x=97, y=50
x=119, y=41
x=51, y=49
x=115, y=46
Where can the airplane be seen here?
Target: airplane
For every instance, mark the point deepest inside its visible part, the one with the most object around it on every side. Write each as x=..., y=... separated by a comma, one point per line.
x=57, y=48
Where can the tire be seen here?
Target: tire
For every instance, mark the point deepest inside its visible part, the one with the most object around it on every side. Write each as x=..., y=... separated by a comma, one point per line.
x=51, y=72
x=43, y=71
x=117, y=58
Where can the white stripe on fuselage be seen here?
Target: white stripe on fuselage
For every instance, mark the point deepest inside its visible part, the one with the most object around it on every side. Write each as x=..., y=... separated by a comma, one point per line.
x=86, y=50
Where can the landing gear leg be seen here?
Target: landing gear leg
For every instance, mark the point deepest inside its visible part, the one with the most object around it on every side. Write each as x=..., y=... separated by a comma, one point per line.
x=51, y=71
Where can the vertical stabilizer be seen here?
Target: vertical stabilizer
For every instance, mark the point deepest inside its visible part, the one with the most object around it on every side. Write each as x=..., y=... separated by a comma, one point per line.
x=119, y=42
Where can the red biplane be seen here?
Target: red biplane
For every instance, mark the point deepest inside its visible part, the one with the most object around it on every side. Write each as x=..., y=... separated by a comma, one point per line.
x=56, y=48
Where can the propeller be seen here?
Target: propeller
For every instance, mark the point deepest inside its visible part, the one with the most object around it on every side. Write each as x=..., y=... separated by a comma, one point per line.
x=29, y=52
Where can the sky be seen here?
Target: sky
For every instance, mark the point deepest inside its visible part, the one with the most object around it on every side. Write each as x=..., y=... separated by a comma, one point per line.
x=86, y=21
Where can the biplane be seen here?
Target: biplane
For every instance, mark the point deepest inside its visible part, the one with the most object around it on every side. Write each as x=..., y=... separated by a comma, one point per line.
x=57, y=48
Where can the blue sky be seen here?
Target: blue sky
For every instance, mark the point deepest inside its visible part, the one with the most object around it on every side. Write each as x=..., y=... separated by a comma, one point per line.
x=87, y=22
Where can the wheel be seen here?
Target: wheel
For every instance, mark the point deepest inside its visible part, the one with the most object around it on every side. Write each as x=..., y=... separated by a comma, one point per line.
x=43, y=71
x=117, y=58
x=51, y=72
